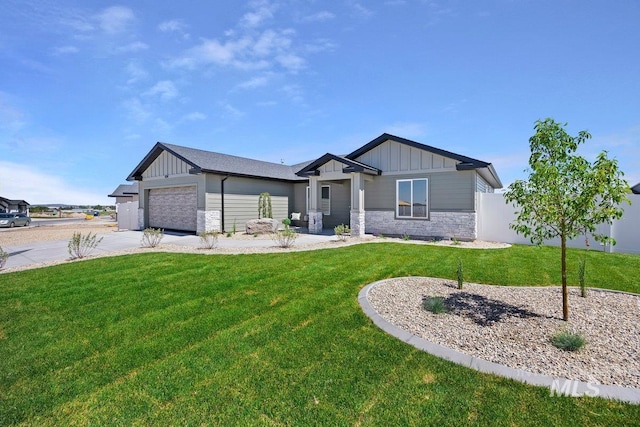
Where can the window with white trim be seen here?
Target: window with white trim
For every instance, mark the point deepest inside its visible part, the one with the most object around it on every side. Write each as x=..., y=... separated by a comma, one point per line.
x=412, y=198
x=325, y=199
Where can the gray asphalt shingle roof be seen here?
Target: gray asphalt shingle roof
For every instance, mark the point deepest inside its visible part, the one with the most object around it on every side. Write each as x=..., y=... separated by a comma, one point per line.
x=209, y=161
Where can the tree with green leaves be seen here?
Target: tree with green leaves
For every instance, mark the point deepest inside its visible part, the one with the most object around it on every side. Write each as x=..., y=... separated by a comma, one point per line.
x=566, y=195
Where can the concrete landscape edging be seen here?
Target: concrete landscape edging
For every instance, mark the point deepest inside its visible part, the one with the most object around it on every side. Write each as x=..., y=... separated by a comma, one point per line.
x=556, y=385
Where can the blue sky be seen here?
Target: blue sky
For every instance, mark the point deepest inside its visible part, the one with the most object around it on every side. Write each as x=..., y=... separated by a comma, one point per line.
x=87, y=88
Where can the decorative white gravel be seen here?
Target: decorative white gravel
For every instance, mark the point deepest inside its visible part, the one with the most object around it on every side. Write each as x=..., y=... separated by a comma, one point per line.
x=512, y=326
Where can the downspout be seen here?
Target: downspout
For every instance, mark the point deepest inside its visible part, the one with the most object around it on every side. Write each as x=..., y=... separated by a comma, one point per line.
x=222, y=203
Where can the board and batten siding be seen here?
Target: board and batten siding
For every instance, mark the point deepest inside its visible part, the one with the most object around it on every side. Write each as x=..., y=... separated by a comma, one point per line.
x=166, y=165
x=391, y=156
x=240, y=208
x=448, y=191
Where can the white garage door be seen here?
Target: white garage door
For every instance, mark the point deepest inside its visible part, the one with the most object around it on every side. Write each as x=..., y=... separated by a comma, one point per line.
x=173, y=208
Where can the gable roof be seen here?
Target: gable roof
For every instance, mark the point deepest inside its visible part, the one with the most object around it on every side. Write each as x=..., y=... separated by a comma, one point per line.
x=350, y=166
x=636, y=188
x=225, y=164
x=485, y=169
x=125, y=190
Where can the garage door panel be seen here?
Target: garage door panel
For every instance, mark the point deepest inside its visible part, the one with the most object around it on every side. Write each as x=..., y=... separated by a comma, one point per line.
x=173, y=208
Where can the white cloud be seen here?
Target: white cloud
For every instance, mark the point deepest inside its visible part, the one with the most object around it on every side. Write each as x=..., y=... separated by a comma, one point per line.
x=291, y=62
x=193, y=117
x=37, y=187
x=64, y=50
x=263, y=11
x=165, y=89
x=115, y=19
x=360, y=10
x=136, y=109
x=136, y=73
x=132, y=47
x=231, y=112
x=171, y=26
x=254, y=82
x=318, y=17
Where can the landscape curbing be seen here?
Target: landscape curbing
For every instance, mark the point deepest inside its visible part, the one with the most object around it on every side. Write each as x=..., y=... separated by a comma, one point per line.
x=555, y=384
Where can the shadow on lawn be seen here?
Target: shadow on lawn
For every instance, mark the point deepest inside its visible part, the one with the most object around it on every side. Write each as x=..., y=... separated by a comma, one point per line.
x=484, y=311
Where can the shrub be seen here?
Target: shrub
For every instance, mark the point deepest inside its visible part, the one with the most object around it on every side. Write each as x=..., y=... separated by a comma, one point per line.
x=286, y=222
x=342, y=232
x=284, y=238
x=568, y=341
x=3, y=258
x=581, y=271
x=209, y=239
x=151, y=237
x=434, y=305
x=80, y=246
x=455, y=240
x=406, y=237
x=460, y=274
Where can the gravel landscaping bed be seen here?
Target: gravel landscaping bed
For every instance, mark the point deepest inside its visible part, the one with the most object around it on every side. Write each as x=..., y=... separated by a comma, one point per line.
x=512, y=326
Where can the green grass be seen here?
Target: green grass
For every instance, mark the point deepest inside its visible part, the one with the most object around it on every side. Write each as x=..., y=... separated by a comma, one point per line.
x=277, y=339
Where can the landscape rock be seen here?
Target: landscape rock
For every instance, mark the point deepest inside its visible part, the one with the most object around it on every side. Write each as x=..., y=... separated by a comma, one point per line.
x=262, y=226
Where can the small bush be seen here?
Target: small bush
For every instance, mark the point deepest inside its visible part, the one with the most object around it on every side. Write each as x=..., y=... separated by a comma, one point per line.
x=284, y=238
x=568, y=341
x=406, y=237
x=209, y=239
x=581, y=272
x=151, y=237
x=3, y=258
x=455, y=241
x=342, y=232
x=460, y=274
x=434, y=304
x=80, y=246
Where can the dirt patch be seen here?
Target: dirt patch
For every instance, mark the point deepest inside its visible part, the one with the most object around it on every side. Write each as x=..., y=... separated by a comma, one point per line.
x=43, y=233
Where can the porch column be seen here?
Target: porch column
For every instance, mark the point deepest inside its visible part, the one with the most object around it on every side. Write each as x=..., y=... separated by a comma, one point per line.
x=315, y=214
x=357, y=204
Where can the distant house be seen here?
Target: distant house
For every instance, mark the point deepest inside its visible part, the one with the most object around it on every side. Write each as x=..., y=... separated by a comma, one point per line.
x=636, y=188
x=126, y=193
x=9, y=205
x=390, y=185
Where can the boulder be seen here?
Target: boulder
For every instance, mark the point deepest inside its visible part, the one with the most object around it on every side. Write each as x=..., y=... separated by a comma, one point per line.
x=262, y=226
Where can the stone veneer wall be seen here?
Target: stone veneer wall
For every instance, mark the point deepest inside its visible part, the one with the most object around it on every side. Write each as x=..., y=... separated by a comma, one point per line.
x=358, y=222
x=461, y=225
x=315, y=222
x=140, y=218
x=208, y=221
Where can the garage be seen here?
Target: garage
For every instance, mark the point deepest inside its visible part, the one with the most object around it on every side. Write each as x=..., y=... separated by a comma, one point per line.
x=173, y=208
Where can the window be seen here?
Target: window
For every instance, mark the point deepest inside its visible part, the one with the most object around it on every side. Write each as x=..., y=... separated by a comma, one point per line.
x=411, y=198
x=325, y=200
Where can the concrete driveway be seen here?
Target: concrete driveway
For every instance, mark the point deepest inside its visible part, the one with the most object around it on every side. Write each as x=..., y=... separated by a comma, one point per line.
x=56, y=250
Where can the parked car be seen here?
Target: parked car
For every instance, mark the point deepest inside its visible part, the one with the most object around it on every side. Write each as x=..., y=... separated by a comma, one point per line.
x=13, y=219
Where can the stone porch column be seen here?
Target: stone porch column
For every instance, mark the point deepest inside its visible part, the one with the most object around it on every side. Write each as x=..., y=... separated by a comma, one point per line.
x=315, y=214
x=357, y=205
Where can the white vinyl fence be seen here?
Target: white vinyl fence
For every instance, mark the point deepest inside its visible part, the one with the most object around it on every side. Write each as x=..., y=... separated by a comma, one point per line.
x=495, y=215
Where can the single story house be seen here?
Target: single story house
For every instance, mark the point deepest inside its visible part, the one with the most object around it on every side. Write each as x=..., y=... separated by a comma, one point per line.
x=389, y=186
x=10, y=206
x=126, y=193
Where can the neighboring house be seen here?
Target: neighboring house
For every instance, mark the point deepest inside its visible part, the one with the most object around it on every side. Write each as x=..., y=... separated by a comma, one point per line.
x=389, y=186
x=636, y=188
x=126, y=193
x=10, y=206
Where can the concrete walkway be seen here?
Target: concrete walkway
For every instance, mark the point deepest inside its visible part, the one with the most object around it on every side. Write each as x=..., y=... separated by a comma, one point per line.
x=56, y=250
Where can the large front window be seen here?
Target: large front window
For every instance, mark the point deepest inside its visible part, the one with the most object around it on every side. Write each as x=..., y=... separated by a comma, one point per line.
x=411, y=198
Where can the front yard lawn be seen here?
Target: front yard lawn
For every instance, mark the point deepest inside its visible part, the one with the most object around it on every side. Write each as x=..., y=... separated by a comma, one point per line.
x=277, y=339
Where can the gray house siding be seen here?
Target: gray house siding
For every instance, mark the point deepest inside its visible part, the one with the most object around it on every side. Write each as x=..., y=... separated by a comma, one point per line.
x=448, y=191
x=340, y=204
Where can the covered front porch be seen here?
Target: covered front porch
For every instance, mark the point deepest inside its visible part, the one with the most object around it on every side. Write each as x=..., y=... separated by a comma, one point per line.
x=331, y=171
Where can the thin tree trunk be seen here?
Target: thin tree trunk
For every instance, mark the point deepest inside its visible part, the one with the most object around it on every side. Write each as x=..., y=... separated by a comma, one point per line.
x=565, y=293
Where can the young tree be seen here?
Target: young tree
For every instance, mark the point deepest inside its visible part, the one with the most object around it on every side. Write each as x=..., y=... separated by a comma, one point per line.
x=565, y=196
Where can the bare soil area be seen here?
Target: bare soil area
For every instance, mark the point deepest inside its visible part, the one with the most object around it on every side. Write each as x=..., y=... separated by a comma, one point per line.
x=64, y=231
